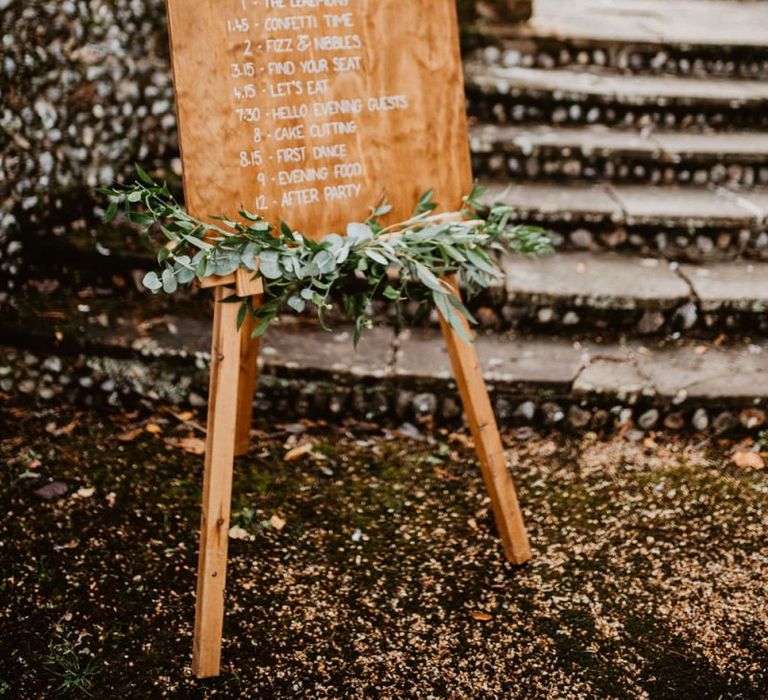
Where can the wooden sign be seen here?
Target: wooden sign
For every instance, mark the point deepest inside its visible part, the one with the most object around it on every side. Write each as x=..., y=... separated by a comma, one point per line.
x=310, y=111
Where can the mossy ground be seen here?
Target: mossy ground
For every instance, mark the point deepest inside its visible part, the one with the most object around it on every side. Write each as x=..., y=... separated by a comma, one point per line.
x=386, y=581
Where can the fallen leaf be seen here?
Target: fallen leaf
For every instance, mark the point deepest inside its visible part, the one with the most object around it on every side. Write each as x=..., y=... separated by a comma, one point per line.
x=480, y=616
x=298, y=452
x=193, y=445
x=130, y=435
x=72, y=544
x=277, y=522
x=54, y=430
x=748, y=460
x=649, y=443
x=444, y=475
x=462, y=439
x=153, y=428
x=85, y=492
x=238, y=533
x=185, y=415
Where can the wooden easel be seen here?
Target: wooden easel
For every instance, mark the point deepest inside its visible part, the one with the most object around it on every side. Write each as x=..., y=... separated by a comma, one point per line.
x=234, y=367
x=410, y=134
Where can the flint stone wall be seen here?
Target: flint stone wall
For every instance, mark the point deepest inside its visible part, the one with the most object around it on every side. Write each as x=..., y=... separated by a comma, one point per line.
x=87, y=92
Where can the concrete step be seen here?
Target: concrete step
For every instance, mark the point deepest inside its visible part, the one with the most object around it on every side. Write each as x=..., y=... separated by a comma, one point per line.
x=678, y=223
x=307, y=372
x=701, y=38
x=559, y=97
x=612, y=293
x=599, y=153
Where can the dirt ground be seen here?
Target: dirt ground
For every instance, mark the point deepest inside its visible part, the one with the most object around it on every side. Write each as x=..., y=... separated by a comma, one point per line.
x=363, y=564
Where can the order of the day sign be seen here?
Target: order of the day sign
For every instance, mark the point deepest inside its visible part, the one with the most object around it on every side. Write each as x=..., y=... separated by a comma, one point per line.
x=310, y=110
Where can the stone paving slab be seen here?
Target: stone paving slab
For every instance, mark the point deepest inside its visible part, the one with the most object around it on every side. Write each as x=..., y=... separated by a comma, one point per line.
x=687, y=22
x=304, y=347
x=548, y=362
x=737, y=284
x=623, y=89
x=680, y=206
x=597, y=280
x=755, y=200
x=556, y=202
x=598, y=140
x=619, y=378
x=684, y=373
x=290, y=346
x=626, y=371
x=679, y=373
x=746, y=145
x=634, y=205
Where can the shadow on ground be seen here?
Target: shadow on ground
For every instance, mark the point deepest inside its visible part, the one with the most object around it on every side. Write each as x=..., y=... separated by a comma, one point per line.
x=369, y=567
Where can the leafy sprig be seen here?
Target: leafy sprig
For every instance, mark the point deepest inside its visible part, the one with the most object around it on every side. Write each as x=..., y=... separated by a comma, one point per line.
x=407, y=261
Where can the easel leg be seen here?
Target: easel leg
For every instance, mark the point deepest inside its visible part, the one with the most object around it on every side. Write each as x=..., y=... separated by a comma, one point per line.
x=490, y=451
x=249, y=376
x=217, y=488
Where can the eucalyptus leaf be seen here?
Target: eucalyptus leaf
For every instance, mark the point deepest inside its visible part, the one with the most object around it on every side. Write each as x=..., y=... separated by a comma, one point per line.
x=270, y=269
x=376, y=256
x=152, y=282
x=170, y=284
x=359, y=233
x=428, y=279
x=185, y=275
x=324, y=262
x=297, y=303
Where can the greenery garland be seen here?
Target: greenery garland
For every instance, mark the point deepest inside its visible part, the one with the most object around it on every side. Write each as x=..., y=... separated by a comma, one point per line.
x=399, y=262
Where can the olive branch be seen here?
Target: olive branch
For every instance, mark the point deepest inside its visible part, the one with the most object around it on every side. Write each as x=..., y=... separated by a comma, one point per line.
x=407, y=261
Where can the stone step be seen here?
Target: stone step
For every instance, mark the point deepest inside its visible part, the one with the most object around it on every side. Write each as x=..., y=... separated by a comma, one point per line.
x=599, y=153
x=614, y=293
x=692, y=224
x=560, y=97
x=679, y=223
x=309, y=372
x=701, y=38
x=583, y=294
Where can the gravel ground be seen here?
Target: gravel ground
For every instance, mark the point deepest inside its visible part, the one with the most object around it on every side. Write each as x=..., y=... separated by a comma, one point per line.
x=365, y=565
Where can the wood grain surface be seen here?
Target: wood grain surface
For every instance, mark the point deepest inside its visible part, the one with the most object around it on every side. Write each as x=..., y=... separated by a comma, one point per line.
x=231, y=55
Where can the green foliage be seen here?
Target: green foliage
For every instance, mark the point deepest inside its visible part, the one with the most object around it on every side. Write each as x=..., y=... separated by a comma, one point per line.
x=401, y=262
x=71, y=664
